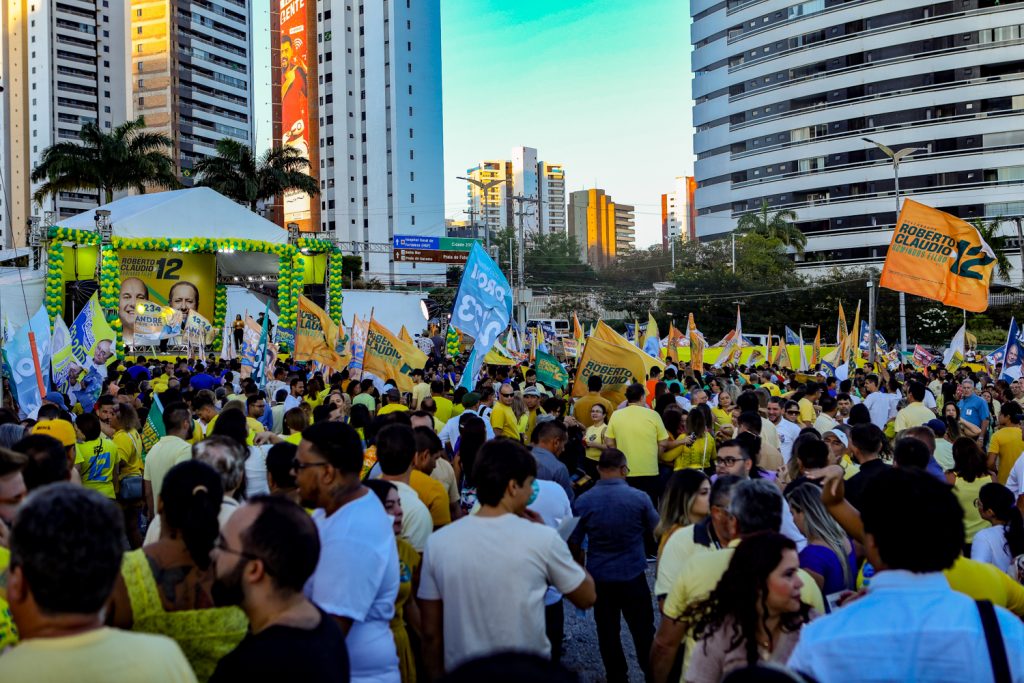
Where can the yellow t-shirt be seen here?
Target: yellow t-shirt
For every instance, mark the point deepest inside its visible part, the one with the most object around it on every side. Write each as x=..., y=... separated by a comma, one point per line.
x=700, y=454
x=445, y=408
x=129, y=453
x=504, y=421
x=637, y=431
x=984, y=581
x=967, y=492
x=676, y=552
x=722, y=419
x=594, y=441
x=771, y=388
x=102, y=655
x=392, y=408
x=807, y=413
x=100, y=457
x=1008, y=444
x=8, y=631
x=433, y=495
x=420, y=391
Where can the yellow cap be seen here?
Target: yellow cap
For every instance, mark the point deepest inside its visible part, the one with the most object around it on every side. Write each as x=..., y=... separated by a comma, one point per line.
x=62, y=430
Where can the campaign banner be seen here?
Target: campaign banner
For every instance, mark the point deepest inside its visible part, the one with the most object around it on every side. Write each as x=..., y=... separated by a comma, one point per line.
x=482, y=308
x=92, y=347
x=571, y=348
x=550, y=372
x=60, y=355
x=316, y=336
x=922, y=358
x=865, y=335
x=153, y=323
x=357, y=346
x=938, y=256
x=388, y=357
x=697, y=345
x=21, y=369
x=182, y=281
x=615, y=364
x=995, y=357
x=1012, y=356
x=197, y=331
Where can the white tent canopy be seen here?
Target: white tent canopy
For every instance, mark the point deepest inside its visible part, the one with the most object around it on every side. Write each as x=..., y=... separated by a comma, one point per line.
x=184, y=214
x=13, y=307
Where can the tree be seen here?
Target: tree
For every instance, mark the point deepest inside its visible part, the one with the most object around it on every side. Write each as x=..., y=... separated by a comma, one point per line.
x=127, y=158
x=773, y=225
x=562, y=306
x=236, y=173
x=989, y=231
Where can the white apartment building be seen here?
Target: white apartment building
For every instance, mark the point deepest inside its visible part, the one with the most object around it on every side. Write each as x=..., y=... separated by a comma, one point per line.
x=381, y=142
x=63, y=64
x=192, y=74
x=521, y=189
x=786, y=92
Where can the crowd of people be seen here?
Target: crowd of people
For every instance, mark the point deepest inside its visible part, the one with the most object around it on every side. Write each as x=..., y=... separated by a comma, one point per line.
x=744, y=523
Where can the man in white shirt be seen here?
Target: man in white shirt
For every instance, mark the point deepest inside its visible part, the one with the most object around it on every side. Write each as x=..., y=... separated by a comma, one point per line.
x=450, y=432
x=880, y=405
x=357, y=578
x=396, y=446
x=785, y=425
x=167, y=452
x=297, y=388
x=918, y=627
x=484, y=577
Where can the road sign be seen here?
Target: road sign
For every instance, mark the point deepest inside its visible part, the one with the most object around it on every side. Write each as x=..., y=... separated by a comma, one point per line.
x=457, y=258
x=425, y=243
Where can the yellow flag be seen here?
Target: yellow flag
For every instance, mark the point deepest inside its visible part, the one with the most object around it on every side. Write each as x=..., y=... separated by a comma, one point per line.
x=577, y=329
x=782, y=357
x=404, y=335
x=697, y=346
x=389, y=357
x=674, y=337
x=652, y=330
x=816, y=349
x=316, y=336
x=852, y=341
x=768, y=347
x=616, y=361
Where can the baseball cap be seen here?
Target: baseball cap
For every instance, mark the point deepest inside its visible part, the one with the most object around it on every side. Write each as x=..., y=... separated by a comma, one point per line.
x=531, y=391
x=56, y=399
x=937, y=426
x=470, y=399
x=839, y=434
x=62, y=430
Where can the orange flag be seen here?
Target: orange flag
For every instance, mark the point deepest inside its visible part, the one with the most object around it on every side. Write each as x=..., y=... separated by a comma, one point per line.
x=938, y=256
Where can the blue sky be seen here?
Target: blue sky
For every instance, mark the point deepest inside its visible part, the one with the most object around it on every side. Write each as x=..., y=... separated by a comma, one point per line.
x=601, y=86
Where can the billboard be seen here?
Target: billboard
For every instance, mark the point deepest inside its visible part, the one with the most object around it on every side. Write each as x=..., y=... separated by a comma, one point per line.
x=182, y=281
x=298, y=101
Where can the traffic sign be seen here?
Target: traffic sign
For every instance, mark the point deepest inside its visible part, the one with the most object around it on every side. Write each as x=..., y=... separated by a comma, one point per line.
x=457, y=258
x=425, y=242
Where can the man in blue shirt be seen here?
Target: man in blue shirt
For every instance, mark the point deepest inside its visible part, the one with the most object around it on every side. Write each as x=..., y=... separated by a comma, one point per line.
x=973, y=408
x=614, y=518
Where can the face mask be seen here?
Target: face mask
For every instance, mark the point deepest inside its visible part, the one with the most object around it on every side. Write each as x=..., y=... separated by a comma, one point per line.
x=535, y=491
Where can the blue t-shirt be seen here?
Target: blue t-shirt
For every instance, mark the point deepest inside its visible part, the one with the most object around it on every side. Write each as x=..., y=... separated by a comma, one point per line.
x=974, y=410
x=204, y=381
x=825, y=563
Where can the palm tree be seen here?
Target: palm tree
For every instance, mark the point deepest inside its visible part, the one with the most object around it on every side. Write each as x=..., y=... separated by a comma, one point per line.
x=777, y=225
x=988, y=231
x=235, y=172
x=128, y=158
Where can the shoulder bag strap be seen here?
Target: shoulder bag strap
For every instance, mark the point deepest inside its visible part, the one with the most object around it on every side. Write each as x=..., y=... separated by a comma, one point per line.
x=994, y=640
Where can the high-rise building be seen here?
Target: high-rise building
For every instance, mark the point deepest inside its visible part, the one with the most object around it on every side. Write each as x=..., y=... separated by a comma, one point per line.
x=601, y=227
x=787, y=91
x=192, y=73
x=540, y=183
x=62, y=65
x=380, y=137
x=677, y=212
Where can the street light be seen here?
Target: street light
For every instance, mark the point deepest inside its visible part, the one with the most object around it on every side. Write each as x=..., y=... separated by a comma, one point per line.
x=896, y=158
x=484, y=185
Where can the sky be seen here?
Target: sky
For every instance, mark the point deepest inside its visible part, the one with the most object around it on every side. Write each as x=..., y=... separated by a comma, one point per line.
x=600, y=86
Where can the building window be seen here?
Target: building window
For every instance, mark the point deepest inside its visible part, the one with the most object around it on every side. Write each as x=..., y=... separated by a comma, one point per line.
x=412, y=198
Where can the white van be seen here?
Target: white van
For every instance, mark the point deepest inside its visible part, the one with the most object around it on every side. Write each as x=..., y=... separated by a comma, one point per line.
x=562, y=327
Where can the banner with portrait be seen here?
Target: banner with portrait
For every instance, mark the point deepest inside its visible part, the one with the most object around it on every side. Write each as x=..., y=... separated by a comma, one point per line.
x=297, y=55
x=153, y=323
x=93, y=345
x=180, y=280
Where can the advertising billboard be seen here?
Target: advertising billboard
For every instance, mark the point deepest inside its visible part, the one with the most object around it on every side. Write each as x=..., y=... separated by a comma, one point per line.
x=298, y=101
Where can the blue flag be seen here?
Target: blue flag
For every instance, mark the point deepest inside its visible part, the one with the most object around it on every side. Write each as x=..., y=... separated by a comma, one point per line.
x=791, y=337
x=482, y=309
x=1012, y=355
x=259, y=368
x=20, y=367
x=865, y=334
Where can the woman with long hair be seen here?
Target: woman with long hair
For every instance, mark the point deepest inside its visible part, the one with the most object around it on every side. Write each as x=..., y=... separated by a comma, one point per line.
x=829, y=556
x=130, y=490
x=685, y=501
x=593, y=438
x=234, y=424
x=1004, y=540
x=722, y=413
x=406, y=610
x=472, y=435
x=951, y=414
x=968, y=476
x=754, y=614
x=698, y=448
x=166, y=587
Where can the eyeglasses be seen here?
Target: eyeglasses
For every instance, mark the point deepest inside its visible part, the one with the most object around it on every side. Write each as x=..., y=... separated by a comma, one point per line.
x=729, y=461
x=299, y=465
x=222, y=545
x=504, y=395
x=792, y=412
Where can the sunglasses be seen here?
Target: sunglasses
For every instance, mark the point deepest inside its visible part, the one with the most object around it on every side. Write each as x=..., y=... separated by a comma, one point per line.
x=504, y=395
x=792, y=412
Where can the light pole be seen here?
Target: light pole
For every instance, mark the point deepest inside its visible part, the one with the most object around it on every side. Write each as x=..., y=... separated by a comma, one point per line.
x=896, y=157
x=484, y=186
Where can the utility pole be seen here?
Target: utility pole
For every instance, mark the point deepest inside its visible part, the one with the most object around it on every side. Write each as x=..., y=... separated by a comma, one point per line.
x=871, y=320
x=733, y=236
x=1020, y=244
x=521, y=213
x=896, y=157
x=472, y=223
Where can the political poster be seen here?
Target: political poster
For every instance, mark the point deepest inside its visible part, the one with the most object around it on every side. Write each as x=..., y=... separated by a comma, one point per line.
x=316, y=336
x=92, y=346
x=938, y=256
x=357, y=346
x=482, y=308
x=388, y=357
x=60, y=355
x=550, y=372
x=21, y=369
x=179, y=280
x=1012, y=357
x=153, y=323
x=298, y=100
x=198, y=331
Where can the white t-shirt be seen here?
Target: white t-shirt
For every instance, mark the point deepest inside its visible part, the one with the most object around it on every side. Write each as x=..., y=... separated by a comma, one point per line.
x=256, y=472
x=989, y=545
x=552, y=504
x=1015, y=480
x=788, y=431
x=357, y=577
x=492, y=574
x=881, y=408
x=417, y=524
